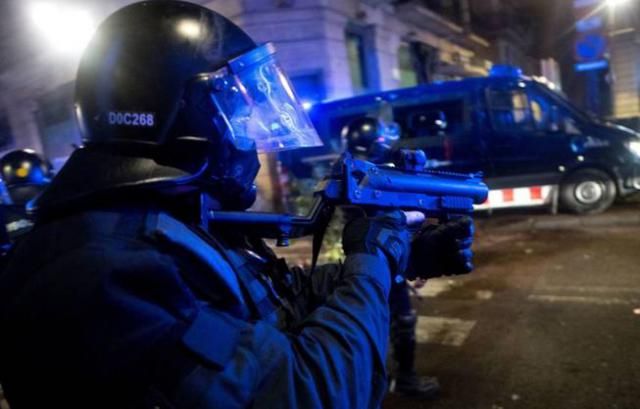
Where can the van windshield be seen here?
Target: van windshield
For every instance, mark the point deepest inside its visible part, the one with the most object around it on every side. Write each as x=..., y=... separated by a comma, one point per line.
x=562, y=101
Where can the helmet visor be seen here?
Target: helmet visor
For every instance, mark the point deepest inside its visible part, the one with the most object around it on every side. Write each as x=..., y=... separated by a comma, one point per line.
x=259, y=105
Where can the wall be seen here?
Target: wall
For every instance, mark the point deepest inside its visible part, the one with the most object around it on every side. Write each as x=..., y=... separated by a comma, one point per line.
x=624, y=22
x=625, y=64
x=309, y=34
x=310, y=38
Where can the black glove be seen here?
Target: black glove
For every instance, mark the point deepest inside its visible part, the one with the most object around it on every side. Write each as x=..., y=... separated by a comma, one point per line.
x=440, y=250
x=385, y=234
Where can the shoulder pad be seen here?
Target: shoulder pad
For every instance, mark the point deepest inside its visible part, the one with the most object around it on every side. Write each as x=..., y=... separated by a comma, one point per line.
x=180, y=235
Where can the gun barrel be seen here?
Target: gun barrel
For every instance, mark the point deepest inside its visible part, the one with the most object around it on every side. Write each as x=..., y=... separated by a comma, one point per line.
x=391, y=180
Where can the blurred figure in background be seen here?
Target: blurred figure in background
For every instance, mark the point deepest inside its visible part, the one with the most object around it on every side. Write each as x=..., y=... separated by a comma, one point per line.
x=24, y=174
x=371, y=138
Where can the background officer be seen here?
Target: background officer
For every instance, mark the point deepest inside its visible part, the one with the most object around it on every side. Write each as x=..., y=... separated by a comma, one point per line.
x=123, y=296
x=371, y=138
x=23, y=175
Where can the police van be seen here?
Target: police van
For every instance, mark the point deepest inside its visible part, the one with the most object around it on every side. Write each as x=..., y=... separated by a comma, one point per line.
x=533, y=145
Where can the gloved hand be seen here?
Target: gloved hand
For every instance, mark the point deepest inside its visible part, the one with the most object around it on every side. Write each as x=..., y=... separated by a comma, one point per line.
x=385, y=234
x=440, y=250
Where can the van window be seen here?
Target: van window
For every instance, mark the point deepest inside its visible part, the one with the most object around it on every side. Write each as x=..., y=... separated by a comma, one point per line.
x=410, y=118
x=540, y=114
x=541, y=110
x=336, y=125
x=551, y=117
x=510, y=110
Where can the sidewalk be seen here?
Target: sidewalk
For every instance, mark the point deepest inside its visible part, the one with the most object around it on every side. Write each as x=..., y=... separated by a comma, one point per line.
x=627, y=215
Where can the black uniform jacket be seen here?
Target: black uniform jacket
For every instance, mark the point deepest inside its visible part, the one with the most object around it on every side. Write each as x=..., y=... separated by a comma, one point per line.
x=123, y=307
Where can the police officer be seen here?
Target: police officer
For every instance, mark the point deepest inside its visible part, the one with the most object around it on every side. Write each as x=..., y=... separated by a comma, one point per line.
x=371, y=138
x=23, y=175
x=122, y=296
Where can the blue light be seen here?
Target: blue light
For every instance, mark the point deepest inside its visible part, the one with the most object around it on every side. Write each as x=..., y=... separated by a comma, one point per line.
x=590, y=66
x=591, y=47
x=502, y=70
x=306, y=105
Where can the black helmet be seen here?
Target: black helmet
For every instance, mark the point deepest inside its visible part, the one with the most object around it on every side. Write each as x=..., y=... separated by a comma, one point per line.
x=370, y=138
x=24, y=167
x=171, y=94
x=429, y=123
x=25, y=174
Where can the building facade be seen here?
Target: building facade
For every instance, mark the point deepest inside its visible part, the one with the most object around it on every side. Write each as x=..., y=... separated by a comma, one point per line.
x=624, y=37
x=330, y=48
x=338, y=48
x=511, y=35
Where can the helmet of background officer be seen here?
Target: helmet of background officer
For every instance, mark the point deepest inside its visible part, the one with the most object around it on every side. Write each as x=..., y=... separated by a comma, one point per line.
x=172, y=96
x=429, y=123
x=370, y=138
x=25, y=174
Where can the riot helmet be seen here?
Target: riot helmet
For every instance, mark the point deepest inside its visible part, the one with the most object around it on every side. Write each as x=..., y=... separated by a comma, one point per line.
x=173, y=95
x=370, y=138
x=25, y=174
x=429, y=123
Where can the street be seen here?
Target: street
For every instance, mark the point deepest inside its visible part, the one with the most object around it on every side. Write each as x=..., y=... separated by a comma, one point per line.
x=549, y=319
x=147, y=147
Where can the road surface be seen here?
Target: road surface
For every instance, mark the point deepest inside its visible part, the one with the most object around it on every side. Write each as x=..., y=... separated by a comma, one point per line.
x=550, y=318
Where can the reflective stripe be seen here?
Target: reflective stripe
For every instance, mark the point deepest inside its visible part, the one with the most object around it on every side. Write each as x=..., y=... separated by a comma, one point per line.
x=518, y=197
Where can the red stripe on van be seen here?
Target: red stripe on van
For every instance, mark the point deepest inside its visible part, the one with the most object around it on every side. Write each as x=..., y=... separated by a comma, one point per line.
x=536, y=192
x=507, y=195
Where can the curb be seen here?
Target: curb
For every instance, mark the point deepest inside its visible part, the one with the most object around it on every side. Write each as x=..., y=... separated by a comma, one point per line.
x=613, y=218
x=563, y=222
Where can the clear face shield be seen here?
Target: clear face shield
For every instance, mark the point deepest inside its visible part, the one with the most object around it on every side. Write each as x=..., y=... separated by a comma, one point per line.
x=259, y=105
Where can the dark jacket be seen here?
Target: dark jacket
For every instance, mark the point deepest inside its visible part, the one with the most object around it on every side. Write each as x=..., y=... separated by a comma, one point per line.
x=129, y=307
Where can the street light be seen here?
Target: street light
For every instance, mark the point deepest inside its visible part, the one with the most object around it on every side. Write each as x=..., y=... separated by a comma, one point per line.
x=616, y=3
x=67, y=29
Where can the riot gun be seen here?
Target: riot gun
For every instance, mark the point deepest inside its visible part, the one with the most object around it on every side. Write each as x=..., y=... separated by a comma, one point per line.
x=404, y=185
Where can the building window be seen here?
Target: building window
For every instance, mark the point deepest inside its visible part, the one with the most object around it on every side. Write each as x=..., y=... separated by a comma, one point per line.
x=406, y=67
x=416, y=63
x=357, y=61
x=362, y=57
x=6, y=135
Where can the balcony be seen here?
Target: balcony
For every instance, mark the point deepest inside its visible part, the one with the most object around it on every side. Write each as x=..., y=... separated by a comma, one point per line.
x=428, y=20
x=422, y=17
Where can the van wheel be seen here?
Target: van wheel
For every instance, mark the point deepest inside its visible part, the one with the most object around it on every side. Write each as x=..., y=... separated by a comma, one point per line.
x=587, y=191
